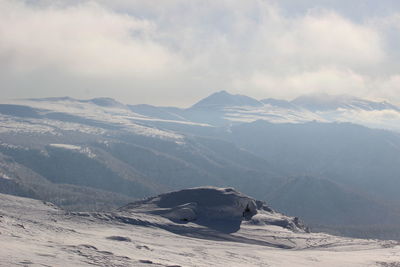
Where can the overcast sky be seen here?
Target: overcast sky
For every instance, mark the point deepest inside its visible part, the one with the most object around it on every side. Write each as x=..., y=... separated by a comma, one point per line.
x=174, y=52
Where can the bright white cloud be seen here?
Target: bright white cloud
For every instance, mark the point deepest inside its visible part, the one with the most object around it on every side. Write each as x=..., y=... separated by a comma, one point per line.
x=174, y=52
x=85, y=39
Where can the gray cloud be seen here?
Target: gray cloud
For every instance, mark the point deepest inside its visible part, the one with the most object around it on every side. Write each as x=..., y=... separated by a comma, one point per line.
x=174, y=52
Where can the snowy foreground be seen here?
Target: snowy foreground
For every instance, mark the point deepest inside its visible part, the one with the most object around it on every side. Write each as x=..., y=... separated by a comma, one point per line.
x=193, y=227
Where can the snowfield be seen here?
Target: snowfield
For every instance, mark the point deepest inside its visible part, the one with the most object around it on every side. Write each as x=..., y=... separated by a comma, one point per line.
x=79, y=116
x=191, y=227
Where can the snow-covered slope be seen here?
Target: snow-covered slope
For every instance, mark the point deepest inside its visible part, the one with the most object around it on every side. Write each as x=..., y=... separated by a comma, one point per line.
x=217, y=208
x=218, y=109
x=33, y=233
x=321, y=102
x=94, y=116
x=322, y=108
x=224, y=109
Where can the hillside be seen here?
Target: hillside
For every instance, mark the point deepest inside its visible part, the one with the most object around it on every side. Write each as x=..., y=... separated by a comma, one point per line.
x=153, y=232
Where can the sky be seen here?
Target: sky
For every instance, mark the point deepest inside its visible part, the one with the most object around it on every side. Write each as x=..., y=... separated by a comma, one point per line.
x=175, y=52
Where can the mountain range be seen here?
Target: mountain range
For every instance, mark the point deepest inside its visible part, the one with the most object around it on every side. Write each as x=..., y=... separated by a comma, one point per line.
x=334, y=161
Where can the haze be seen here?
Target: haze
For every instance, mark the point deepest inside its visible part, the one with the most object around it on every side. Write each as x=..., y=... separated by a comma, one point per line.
x=176, y=52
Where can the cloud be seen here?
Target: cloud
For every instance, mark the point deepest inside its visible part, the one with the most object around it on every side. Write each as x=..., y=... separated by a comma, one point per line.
x=322, y=80
x=389, y=88
x=85, y=39
x=386, y=119
x=174, y=52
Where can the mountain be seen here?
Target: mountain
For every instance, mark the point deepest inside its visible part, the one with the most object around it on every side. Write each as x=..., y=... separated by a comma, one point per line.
x=99, y=101
x=156, y=112
x=104, y=102
x=321, y=102
x=223, y=99
x=180, y=228
x=79, y=153
x=318, y=199
x=19, y=111
x=223, y=109
x=111, y=150
x=356, y=156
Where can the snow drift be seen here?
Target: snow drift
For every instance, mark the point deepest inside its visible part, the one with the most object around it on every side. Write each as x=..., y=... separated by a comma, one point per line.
x=222, y=209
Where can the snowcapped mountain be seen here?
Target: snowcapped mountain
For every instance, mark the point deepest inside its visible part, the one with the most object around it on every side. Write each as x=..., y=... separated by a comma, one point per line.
x=224, y=109
x=224, y=99
x=193, y=227
x=99, y=154
x=321, y=102
x=218, y=109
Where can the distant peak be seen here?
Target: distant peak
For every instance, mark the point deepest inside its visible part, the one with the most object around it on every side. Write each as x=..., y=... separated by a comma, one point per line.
x=52, y=99
x=222, y=92
x=100, y=101
x=324, y=101
x=104, y=102
x=223, y=99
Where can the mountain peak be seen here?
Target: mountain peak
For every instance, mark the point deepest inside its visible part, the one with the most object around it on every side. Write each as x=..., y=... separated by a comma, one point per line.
x=52, y=99
x=224, y=99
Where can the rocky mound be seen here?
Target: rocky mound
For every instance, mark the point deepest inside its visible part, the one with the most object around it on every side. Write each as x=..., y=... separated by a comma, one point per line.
x=218, y=208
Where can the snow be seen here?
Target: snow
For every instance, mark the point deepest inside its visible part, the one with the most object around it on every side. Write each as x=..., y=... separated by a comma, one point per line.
x=112, y=115
x=380, y=115
x=39, y=234
x=320, y=108
x=67, y=146
x=9, y=124
x=84, y=150
x=381, y=119
x=205, y=206
x=5, y=176
x=11, y=146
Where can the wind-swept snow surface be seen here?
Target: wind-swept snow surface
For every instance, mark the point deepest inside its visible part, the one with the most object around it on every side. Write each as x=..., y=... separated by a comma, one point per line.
x=152, y=233
x=221, y=209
